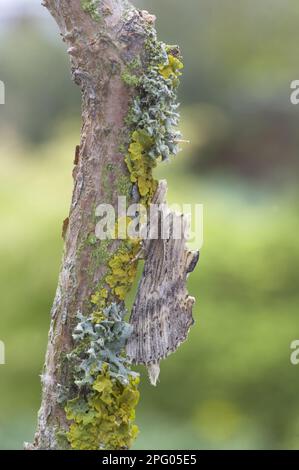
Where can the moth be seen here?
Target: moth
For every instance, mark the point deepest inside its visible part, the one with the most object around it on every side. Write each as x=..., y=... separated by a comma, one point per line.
x=161, y=316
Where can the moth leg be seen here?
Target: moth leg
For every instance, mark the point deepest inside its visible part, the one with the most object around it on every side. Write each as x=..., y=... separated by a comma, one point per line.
x=138, y=256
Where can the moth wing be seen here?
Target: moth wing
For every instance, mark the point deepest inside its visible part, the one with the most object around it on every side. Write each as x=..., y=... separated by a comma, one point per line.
x=162, y=312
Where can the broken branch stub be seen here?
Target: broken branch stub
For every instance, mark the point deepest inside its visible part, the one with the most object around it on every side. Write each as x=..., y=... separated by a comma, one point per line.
x=162, y=312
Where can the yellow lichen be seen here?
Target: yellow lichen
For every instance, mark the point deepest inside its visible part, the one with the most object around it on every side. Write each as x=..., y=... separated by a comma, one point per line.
x=122, y=269
x=172, y=70
x=105, y=420
x=123, y=266
x=140, y=165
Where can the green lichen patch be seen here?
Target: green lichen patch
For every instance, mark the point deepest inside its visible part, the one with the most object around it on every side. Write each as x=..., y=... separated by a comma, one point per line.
x=92, y=8
x=124, y=186
x=130, y=79
x=62, y=440
x=132, y=73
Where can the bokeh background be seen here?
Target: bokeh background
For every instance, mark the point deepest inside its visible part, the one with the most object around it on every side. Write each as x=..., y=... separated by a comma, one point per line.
x=231, y=385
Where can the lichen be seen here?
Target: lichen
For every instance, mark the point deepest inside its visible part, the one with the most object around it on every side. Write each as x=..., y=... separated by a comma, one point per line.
x=62, y=440
x=104, y=343
x=119, y=278
x=124, y=186
x=123, y=266
x=131, y=74
x=92, y=8
x=102, y=414
x=105, y=419
x=140, y=165
x=130, y=79
x=153, y=116
x=102, y=409
x=99, y=253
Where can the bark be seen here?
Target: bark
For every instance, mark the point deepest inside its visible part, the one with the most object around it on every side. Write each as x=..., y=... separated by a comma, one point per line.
x=99, y=52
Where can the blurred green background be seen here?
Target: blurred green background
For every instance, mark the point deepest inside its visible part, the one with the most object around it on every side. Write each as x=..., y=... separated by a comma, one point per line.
x=231, y=385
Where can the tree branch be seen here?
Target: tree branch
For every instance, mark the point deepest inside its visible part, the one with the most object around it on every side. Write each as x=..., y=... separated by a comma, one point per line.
x=128, y=81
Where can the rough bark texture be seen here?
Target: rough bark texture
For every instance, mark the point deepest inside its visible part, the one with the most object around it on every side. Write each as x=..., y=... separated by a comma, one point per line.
x=99, y=52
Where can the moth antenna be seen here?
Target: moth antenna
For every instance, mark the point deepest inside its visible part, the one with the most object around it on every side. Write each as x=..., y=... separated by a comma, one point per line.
x=153, y=373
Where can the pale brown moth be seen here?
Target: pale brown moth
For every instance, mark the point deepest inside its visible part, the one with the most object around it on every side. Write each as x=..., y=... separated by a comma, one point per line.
x=162, y=312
